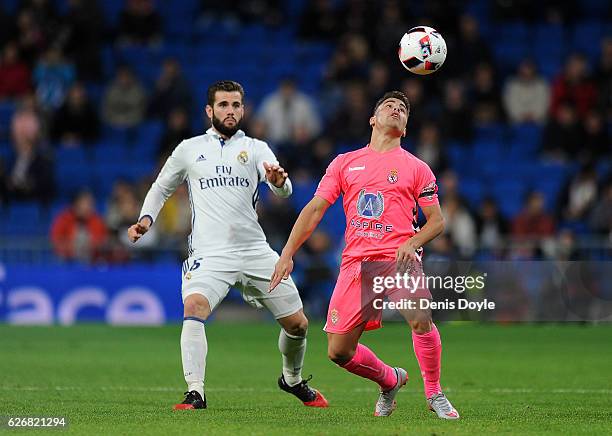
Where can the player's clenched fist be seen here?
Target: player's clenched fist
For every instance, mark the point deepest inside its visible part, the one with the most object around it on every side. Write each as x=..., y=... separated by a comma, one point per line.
x=282, y=269
x=136, y=231
x=275, y=174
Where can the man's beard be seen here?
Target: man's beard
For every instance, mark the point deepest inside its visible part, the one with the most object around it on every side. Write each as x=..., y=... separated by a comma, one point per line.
x=223, y=129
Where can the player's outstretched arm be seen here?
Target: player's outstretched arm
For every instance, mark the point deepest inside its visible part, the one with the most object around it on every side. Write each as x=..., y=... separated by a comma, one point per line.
x=305, y=224
x=137, y=231
x=432, y=228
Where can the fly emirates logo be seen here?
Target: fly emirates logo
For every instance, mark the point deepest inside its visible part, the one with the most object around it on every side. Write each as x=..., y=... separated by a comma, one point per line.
x=370, y=206
x=223, y=178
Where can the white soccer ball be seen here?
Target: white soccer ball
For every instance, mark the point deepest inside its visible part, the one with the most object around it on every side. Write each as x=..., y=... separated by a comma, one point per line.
x=422, y=50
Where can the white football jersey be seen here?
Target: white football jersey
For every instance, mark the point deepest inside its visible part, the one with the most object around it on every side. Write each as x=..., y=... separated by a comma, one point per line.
x=223, y=179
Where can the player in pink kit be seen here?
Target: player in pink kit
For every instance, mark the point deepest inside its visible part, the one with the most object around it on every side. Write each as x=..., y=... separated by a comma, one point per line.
x=381, y=185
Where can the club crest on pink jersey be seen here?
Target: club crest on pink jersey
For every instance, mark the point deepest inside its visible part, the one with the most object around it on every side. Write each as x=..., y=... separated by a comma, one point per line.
x=333, y=316
x=392, y=177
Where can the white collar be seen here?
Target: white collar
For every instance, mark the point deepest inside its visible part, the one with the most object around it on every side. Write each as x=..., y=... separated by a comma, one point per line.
x=213, y=132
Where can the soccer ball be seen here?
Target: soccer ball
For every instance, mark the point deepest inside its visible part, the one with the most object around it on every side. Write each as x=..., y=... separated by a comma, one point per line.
x=422, y=50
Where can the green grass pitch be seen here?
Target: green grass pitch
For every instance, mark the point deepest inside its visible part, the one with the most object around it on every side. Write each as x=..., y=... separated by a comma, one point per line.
x=517, y=379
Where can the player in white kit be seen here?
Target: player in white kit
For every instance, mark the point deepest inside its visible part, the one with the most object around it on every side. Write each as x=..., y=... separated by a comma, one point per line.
x=227, y=247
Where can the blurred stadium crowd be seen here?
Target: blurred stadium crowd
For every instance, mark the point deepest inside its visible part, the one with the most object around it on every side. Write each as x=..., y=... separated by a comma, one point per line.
x=95, y=95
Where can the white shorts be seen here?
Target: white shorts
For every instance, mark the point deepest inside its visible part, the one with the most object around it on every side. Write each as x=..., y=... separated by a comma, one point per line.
x=212, y=277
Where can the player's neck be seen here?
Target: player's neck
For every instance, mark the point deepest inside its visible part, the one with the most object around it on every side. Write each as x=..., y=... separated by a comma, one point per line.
x=383, y=143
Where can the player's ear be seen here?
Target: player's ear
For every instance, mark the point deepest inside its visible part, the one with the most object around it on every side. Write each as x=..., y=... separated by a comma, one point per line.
x=209, y=111
x=372, y=121
x=404, y=134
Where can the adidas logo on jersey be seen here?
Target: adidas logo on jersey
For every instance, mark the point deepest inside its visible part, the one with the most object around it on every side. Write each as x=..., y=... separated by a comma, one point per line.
x=201, y=158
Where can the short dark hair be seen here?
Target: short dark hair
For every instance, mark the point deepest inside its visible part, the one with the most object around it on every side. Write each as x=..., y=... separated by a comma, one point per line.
x=223, y=85
x=393, y=94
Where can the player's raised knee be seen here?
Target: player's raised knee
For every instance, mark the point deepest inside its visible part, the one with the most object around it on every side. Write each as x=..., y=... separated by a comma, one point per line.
x=197, y=305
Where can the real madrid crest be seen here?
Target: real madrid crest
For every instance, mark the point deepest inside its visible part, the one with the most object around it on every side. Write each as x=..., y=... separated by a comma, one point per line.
x=243, y=157
x=188, y=276
x=392, y=177
x=333, y=315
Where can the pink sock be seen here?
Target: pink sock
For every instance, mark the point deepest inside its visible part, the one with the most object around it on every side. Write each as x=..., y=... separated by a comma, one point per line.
x=365, y=364
x=428, y=350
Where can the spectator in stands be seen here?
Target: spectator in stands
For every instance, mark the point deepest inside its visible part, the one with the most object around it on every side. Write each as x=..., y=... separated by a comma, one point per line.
x=83, y=32
x=7, y=27
x=574, y=87
x=276, y=216
x=603, y=77
x=491, y=226
x=600, y=219
x=319, y=21
x=596, y=139
x=527, y=95
x=378, y=80
x=350, y=61
x=15, y=80
x=419, y=110
x=287, y=116
x=460, y=225
x=321, y=154
x=175, y=220
x=486, y=96
x=390, y=27
x=348, y=126
x=177, y=129
x=31, y=175
x=449, y=185
x=121, y=190
x=580, y=195
x=77, y=120
x=533, y=222
x=219, y=13
x=139, y=23
x=356, y=17
x=43, y=12
x=171, y=91
x=456, y=117
x=563, y=247
x=563, y=135
x=53, y=76
x=123, y=210
x=124, y=101
x=79, y=233
x=31, y=37
x=472, y=46
x=429, y=148
x=319, y=275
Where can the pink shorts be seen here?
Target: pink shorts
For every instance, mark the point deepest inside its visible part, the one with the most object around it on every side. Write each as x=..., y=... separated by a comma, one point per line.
x=353, y=300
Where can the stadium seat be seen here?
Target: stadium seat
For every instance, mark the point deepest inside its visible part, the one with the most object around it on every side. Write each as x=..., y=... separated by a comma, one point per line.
x=7, y=108
x=71, y=155
x=586, y=37
x=302, y=193
x=509, y=195
x=25, y=219
x=472, y=190
x=70, y=178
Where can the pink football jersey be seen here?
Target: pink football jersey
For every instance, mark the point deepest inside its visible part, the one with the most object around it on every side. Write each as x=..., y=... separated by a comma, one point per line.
x=380, y=194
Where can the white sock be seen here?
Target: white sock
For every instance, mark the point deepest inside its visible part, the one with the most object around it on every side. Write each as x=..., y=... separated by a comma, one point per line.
x=293, y=349
x=193, y=352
